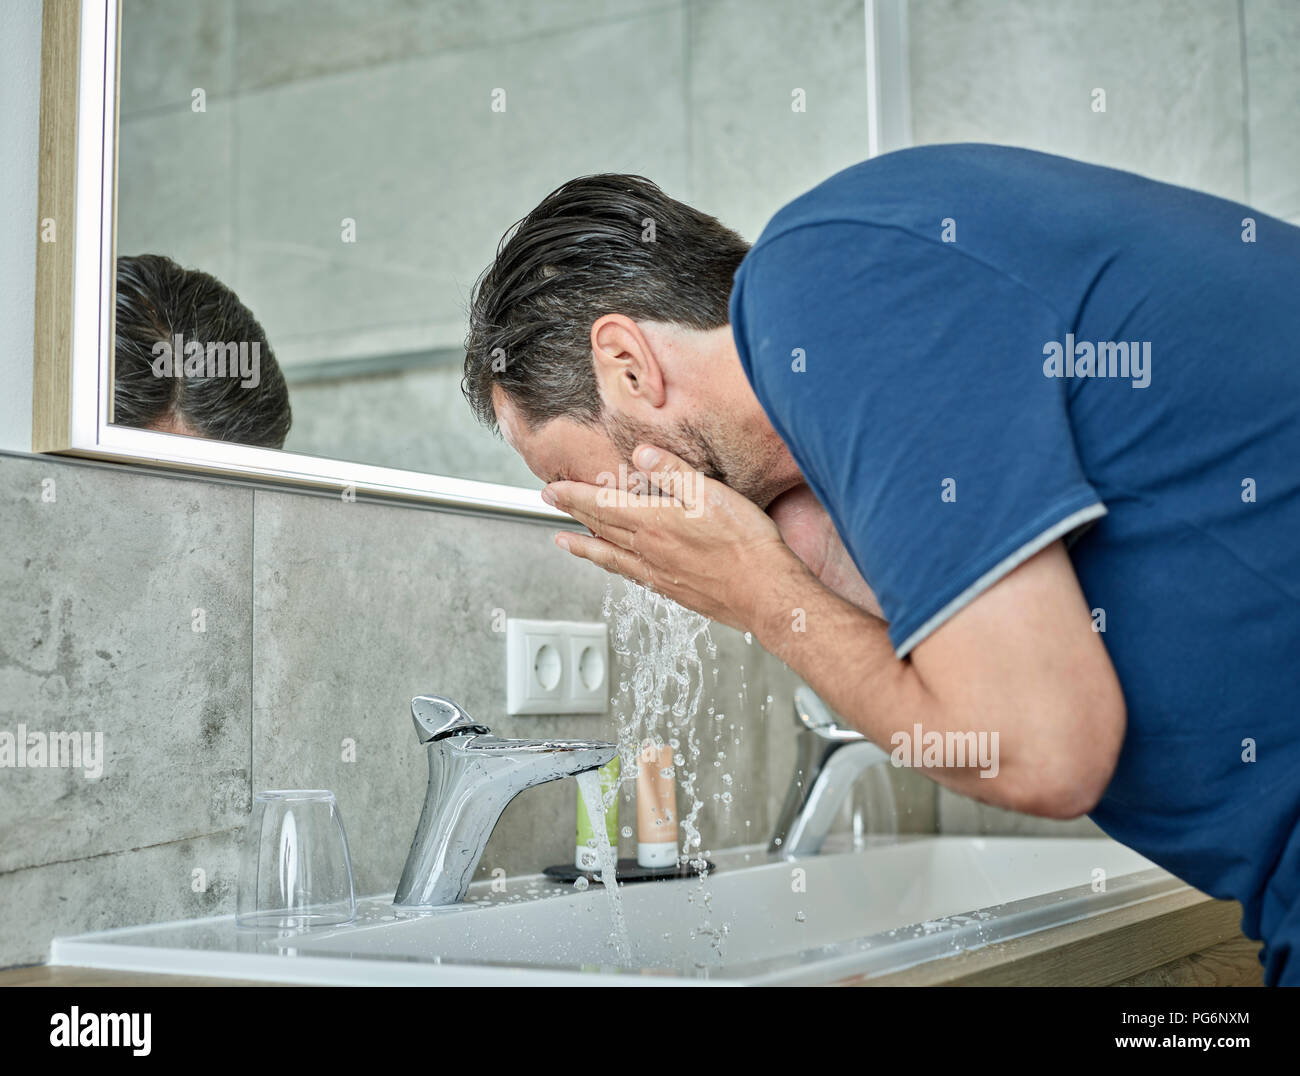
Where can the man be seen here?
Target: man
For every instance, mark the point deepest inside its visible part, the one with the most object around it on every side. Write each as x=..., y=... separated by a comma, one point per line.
x=190, y=358
x=983, y=515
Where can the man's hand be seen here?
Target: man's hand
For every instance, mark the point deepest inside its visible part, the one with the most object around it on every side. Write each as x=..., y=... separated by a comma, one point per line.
x=688, y=537
x=806, y=527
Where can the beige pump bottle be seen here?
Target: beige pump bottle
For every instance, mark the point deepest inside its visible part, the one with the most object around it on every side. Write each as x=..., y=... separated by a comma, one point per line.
x=656, y=807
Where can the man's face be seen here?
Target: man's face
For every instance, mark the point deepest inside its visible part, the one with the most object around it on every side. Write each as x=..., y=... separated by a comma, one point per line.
x=712, y=423
x=561, y=450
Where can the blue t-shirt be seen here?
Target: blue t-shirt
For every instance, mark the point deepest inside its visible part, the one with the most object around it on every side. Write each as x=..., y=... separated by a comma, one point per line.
x=936, y=334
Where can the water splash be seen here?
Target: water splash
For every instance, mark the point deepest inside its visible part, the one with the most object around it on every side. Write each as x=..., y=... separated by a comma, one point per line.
x=662, y=649
x=589, y=787
x=659, y=643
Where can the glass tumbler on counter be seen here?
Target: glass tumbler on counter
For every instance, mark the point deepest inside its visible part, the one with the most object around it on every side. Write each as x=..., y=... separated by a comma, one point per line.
x=294, y=868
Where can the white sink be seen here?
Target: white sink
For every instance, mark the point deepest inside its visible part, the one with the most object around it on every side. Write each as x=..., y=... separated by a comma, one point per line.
x=755, y=921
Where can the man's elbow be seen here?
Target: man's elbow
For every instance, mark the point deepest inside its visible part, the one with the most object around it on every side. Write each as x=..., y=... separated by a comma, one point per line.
x=1062, y=800
x=1071, y=774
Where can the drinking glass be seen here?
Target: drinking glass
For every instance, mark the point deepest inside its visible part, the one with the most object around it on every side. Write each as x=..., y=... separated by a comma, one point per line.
x=294, y=868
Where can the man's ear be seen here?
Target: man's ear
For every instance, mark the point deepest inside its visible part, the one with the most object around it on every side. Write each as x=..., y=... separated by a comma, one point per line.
x=627, y=369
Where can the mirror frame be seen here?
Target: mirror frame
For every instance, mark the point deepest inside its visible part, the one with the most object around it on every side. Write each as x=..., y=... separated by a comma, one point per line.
x=75, y=272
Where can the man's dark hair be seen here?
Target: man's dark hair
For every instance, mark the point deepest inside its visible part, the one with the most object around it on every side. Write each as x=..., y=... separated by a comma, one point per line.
x=156, y=301
x=605, y=244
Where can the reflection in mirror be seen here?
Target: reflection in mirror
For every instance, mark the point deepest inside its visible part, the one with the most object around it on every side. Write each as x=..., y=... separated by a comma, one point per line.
x=190, y=358
x=348, y=170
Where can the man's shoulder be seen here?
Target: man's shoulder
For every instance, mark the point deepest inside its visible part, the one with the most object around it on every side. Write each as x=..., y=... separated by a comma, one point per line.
x=887, y=190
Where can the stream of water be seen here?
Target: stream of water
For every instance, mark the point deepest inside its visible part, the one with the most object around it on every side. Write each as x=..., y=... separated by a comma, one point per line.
x=662, y=648
x=589, y=787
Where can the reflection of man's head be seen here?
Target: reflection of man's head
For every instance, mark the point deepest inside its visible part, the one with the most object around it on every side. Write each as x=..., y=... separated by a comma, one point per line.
x=190, y=358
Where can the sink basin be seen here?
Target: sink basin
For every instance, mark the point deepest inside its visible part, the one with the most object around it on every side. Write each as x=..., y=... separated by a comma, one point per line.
x=756, y=920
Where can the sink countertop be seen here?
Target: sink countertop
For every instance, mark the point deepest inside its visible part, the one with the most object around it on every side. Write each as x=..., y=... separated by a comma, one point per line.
x=1180, y=938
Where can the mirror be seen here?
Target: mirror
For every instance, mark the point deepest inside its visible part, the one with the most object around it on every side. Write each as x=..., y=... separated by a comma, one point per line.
x=340, y=175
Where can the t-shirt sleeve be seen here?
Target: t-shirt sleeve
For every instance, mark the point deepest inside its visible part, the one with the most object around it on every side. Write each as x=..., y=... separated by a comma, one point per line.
x=907, y=379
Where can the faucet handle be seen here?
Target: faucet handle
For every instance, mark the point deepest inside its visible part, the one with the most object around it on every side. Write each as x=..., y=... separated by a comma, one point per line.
x=436, y=717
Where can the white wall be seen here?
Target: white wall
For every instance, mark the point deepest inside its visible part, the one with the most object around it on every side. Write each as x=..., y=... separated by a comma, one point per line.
x=20, y=76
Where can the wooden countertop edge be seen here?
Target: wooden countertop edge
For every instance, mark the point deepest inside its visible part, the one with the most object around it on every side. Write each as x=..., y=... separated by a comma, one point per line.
x=65, y=975
x=1104, y=949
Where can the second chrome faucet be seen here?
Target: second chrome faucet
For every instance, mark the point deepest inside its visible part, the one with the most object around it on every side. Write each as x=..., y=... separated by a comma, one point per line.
x=829, y=759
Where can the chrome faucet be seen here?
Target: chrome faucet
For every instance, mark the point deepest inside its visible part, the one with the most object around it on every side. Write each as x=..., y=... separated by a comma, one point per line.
x=473, y=775
x=829, y=759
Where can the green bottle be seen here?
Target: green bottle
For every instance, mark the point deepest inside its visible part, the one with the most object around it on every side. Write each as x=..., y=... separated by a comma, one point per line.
x=587, y=858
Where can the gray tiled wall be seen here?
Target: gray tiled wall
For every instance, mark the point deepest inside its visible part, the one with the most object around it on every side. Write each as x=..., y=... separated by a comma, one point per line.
x=1272, y=36
x=104, y=584
x=104, y=576
x=1023, y=72
x=751, y=150
x=1203, y=93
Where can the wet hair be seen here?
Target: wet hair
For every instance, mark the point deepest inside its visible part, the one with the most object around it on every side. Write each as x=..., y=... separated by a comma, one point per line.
x=156, y=301
x=603, y=244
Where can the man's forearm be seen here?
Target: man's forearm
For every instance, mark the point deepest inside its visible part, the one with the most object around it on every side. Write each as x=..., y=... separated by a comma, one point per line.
x=846, y=656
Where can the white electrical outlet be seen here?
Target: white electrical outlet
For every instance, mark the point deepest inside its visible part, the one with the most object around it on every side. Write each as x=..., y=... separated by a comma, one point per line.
x=588, y=682
x=556, y=667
